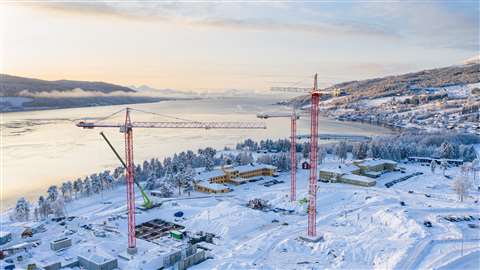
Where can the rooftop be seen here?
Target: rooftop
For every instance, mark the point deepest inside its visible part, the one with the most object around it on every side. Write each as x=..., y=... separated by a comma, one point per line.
x=212, y=186
x=250, y=167
x=207, y=175
x=359, y=178
x=375, y=162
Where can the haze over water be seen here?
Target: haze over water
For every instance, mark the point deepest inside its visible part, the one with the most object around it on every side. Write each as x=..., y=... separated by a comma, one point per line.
x=42, y=148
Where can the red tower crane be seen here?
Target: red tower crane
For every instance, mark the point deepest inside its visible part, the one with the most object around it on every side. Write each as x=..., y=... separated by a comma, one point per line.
x=312, y=192
x=127, y=128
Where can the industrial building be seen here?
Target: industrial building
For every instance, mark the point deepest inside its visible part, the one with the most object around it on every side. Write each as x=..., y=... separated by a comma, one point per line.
x=360, y=172
x=61, y=243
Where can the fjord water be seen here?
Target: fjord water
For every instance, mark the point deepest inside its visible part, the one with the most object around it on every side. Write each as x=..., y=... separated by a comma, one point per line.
x=42, y=148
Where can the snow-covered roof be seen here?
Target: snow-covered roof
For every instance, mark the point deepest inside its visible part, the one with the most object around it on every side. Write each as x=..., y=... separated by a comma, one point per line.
x=212, y=186
x=339, y=169
x=359, y=178
x=375, y=162
x=207, y=175
x=250, y=167
x=95, y=258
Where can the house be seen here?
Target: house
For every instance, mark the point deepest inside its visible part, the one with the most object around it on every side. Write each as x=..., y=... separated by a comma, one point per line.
x=305, y=165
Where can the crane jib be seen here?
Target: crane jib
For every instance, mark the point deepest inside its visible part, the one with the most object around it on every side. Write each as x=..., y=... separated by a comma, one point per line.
x=204, y=125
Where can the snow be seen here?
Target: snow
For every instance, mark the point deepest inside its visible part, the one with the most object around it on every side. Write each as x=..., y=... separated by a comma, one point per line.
x=250, y=167
x=362, y=227
x=375, y=162
x=359, y=178
x=207, y=175
x=212, y=186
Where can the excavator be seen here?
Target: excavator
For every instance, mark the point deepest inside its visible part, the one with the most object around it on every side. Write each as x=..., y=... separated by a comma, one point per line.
x=147, y=203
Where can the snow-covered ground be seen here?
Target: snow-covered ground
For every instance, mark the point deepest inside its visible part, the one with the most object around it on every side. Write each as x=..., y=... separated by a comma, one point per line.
x=362, y=227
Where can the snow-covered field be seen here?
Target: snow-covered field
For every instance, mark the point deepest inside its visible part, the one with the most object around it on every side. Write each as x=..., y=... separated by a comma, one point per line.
x=362, y=227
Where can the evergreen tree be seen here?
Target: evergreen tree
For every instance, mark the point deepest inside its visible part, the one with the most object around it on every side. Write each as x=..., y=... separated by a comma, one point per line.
x=22, y=210
x=52, y=193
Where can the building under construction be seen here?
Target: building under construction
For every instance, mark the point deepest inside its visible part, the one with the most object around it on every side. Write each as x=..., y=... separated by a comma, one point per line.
x=213, y=181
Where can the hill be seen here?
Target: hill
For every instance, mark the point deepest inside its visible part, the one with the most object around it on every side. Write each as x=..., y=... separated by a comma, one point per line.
x=404, y=84
x=13, y=85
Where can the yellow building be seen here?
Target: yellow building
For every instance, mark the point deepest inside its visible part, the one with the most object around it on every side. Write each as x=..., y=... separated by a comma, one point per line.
x=210, y=181
x=242, y=174
x=211, y=187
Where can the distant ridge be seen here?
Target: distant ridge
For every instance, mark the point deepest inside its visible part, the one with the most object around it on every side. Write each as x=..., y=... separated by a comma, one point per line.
x=404, y=84
x=13, y=85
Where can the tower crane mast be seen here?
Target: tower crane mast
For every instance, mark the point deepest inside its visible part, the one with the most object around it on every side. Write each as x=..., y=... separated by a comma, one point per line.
x=126, y=127
x=312, y=192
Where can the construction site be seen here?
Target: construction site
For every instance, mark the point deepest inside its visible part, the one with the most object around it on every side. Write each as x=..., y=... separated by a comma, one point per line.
x=239, y=216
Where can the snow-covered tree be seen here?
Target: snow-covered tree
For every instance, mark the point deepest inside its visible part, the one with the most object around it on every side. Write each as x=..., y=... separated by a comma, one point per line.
x=22, y=210
x=87, y=187
x=433, y=165
x=58, y=207
x=77, y=186
x=461, y=185
x=446, y=150
x=341, y=151
x=305, y=150
x=359, y=150
x=322, y=154
x=151, y=183
x=52, y=193
x=244, y=158
x=96, y=184
x=165, y=190
x=444, y=166
x=43, y=207
x=64, y=189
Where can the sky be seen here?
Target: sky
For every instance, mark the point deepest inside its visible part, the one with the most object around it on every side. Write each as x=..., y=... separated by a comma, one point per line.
x=217, y=45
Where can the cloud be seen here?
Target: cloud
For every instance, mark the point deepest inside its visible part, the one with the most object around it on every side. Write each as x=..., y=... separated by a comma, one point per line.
x=237, y=16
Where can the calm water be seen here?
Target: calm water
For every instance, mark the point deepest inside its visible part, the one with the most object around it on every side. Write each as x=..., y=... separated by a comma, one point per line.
x=42, y=148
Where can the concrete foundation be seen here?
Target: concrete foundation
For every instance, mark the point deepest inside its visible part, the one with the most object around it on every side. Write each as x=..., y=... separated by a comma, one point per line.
x=132, y=250
x=311, y=239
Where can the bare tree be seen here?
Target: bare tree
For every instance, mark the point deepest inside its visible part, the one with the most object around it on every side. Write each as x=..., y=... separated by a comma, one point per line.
x=461, y=184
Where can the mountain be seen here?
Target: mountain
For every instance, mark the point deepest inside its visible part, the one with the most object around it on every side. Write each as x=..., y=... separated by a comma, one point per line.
x=403, y=84
x=26, y=94
x=13, y=85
